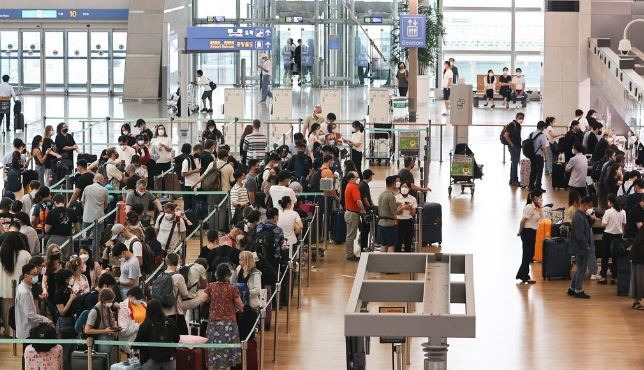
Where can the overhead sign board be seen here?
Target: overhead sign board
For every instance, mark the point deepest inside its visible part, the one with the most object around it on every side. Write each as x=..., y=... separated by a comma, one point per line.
x=412, y=31
x=373, y=20
x=334, y=42
x=228, y=38
x=65, y=14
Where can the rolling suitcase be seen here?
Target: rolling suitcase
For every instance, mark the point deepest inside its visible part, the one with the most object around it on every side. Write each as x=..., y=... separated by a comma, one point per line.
x=251, y=357
x=339, y=231
x=559, y=176
x=131, y=364
x=432, y=223
x=556, y=261
x=100, y=361
x=544, y=231
x=191, y=358
x=619, y=251
x=19, y=122
x=524, y=172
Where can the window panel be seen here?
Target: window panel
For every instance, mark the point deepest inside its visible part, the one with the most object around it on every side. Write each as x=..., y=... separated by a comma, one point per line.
x=209, y=8
x=477, y=30
x=529, y=31
x=470, y=65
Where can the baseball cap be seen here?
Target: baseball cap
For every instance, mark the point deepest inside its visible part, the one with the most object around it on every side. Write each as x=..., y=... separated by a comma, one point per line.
x=116, y=230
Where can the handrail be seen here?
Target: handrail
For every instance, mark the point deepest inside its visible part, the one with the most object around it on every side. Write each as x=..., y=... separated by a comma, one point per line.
x=88, y=228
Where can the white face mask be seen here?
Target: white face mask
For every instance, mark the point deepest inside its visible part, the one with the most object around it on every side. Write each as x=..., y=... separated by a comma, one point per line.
x=122, y=260
x=136, y=301
x=490, y=74
x=404, y=191
x=140, y=142
x=331, y=142
x=125, y=132
x=34, y=279
x=84, y=257
x=357, y=181
x=70, y=285
x=397, y=184
x=123, y=146
x=169, y=216
x=108, y=304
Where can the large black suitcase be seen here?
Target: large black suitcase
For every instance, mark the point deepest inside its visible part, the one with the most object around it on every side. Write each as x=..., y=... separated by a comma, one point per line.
x=100, y=361
x=556, y=260
x=619, y=251
x=559, y=176
x=432, y=223
x=18, y=122
x=339, y=230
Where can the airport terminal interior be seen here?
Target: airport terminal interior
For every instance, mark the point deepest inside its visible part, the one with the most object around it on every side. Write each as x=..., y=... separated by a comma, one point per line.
x=469, y=126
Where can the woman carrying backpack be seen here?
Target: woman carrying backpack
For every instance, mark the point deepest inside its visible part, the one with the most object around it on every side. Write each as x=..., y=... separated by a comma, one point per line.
x=157, y=328
x=222, y=322
x=247, y=274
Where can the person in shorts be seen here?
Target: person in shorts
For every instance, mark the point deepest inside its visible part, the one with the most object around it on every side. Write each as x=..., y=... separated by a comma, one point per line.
x=387, y=209
x=204, y=82
x=448, y=78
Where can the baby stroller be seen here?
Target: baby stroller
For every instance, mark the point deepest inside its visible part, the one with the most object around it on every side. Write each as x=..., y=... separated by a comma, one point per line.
x=463, y=169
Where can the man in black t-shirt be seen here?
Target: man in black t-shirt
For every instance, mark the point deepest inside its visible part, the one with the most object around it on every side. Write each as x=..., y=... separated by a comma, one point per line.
x=406, y=177
x=131, y=176
x=512, y=138
x=58, y=225
x=84, y=179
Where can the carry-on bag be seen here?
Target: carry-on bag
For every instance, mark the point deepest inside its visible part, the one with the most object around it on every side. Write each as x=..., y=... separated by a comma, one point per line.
x=559, y=176
x=130, y=364
x=191, y=358
x=544, y=231
x=524, y=172
x=620, y=253
x=100, y=361
x=432, y=223
x=556, y=260
x=339, y=231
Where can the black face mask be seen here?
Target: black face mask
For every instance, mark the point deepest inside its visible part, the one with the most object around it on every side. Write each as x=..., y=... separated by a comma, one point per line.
x=65, y=130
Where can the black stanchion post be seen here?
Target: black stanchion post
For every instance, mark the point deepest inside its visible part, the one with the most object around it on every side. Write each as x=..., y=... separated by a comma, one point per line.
x=201, y=234
x=13, y=291
x=278, y=290
x=262, y=333
x=244, y=347
x=288, y=294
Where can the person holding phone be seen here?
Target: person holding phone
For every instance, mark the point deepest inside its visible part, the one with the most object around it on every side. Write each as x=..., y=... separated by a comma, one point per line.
x=101, y=323
x=406, y=211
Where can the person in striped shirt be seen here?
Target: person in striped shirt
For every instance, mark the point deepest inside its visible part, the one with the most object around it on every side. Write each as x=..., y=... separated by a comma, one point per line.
x=239, y=193
x=255, y=143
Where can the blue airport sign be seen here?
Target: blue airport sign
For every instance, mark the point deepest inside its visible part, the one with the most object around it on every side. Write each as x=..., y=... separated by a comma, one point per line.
x=412, y=31
x=231, y=32
x=196, y=45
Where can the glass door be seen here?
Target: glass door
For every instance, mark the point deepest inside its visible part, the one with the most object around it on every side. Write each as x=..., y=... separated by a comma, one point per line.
x=31, y=67
x=119, y=48
x=9, y=56
x=77, y=61
x=54, y=61
x=100, y=54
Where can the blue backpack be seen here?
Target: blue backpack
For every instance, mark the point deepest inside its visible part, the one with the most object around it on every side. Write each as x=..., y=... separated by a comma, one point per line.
x=81, y=320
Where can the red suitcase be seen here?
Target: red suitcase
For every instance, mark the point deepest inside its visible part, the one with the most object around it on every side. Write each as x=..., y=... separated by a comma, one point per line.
x=191, y=359
x=251, y=357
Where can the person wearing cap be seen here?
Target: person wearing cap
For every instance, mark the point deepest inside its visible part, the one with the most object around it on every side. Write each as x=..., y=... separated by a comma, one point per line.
x=131, y=315
x=58, y=225
x=365, y=196
x=281, y=190
x=130, y=268
x=121, y=234
x=143, y=128
x=265, y=67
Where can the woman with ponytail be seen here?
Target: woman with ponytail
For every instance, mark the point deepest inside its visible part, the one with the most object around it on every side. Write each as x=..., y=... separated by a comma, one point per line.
x=532, y=213
x=290, y=222
x=613, y=221
x=356, y=141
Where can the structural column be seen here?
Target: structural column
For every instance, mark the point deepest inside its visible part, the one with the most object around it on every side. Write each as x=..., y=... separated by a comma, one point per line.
x=565, y=77
x=413, y=70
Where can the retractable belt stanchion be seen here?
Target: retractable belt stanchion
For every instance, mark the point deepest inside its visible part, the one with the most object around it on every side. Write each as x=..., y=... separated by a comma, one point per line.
x=262, y=333
x=288, y=294
x=278, y=289
x=244, y=345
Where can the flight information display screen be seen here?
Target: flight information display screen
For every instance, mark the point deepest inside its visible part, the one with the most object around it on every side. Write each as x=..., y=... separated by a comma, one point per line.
x=65, y=14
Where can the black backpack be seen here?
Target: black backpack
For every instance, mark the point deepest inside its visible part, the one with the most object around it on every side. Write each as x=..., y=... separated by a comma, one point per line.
x=148, y=257
x=163, y=290
x=529, y=150
x=265, y=242
x=160, y=333
x=14, y=183
x=212, y=85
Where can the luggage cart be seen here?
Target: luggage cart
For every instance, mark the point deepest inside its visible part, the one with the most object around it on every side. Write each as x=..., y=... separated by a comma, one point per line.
x=372, y=219
x=381, y=143
x=408, y=145
x=461, y=171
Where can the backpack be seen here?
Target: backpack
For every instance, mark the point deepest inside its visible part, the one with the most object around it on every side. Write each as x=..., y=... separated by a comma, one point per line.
x=621, y=200
x=212, y=85
x=185, y=272
x=212, y=180
x=178, y=161
x=163, y=290
x=160, y=333
x=81, y=320
x=527, y=146
x=14, y=183
x=501, y=136
x=43, y=211
x=76, y=212
x=102, y=170
x=148, y=257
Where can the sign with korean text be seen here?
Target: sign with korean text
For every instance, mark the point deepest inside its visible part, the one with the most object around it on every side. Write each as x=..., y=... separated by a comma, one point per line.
x=229, y=38
x=412, y=31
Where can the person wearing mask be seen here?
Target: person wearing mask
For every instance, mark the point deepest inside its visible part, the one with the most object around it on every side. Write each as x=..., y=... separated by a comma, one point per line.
x=273, y=252
x=58, y=225
x=65, y=145
x=131, y=314
x=141, y=196
x=64, y=298
x=248, y=274
x=512, y=136
x=405, y=213
x=613, y=222
x=356, y=142
x=222, y=324
x=51, y=156
x=505, y=87
x=603, y=145
x=6, y=95
x=93, y=269
x=40, y=157
x=628, y=187
x=79, y=282
x=205, y=83
x=552, y=143
x=211, y=132
x=84, y=179
x=448, y=80
x=265, y=67
x=281, y=190
x=315, y=117
x=354, y=210
x=387, y=210
x=180, y=291
x=402, y=76
x=518, y=88
x=143, y=128
x=591, y=119
x=54, y=264
x=226, y=179
x=578, y=168
x=95, y=200
x=239, y=195
x=27, y=314
x=490, y=86
x=406, y=176
x=190, y=170
x=216, y=253
x=581, y=243
x=43, y=355
x=579, y=117
x=256, y=142
x=157, y=328
x=162, y=149
x=114, y=176
x=367, y=202
x=130, y=269
x=532, y=213
x=297, y=60
x=170, y=227
x=300, y=164
x=28, y=199
x=101, y=323
x=290, y=223
x=121, y=234
x=126, y=133
x=538, y=159
x=592, y=137
x=614, y=179
x=573, y=135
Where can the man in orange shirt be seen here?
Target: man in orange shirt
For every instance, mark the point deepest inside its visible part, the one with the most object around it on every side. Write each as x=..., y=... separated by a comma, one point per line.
x=354, y=209
x=326, y=173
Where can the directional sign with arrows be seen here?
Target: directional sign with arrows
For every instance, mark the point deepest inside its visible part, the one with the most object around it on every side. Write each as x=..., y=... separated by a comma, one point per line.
x=214, y=39
x=412, y=31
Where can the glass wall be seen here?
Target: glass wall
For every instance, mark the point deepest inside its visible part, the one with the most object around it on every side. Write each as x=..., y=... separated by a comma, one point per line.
x=480, y=34
x=9, y=54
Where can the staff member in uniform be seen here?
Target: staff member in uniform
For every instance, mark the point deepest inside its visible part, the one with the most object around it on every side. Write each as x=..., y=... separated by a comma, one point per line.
x=6, y=94
x=532, y=213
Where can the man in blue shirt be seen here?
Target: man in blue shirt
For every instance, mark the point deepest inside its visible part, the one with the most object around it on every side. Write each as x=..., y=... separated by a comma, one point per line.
x=272, y=217
x=538, y=159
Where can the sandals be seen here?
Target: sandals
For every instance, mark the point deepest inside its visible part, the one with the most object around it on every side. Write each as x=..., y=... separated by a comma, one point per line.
x=637, y=306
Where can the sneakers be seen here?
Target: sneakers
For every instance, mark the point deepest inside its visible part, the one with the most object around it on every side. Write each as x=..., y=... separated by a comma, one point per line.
x=492, y=106
x=582, y=295
x=445, y=114
x=571, y=292
x=353, y=259
x=204, y=110
x=595, y=277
